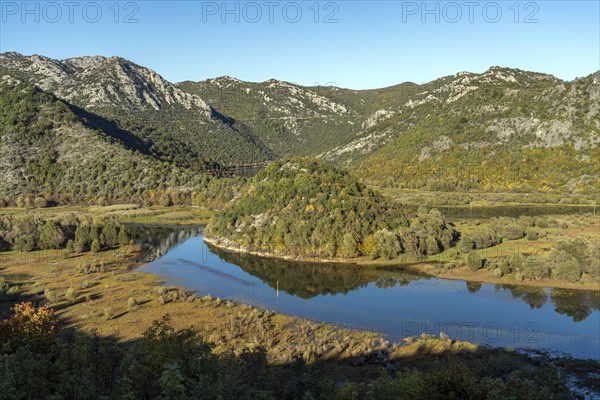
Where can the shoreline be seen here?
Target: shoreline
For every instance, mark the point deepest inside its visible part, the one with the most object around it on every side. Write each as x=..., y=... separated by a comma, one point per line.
x=426, y=268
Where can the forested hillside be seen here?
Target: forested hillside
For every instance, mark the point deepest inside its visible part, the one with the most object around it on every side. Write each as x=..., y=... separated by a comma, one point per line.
x=176, y=125
x=502, y=130
x=53, y=151
x=289, y=118
x=306, y=208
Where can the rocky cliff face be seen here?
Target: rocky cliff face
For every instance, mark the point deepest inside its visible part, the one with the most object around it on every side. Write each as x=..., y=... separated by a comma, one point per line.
x=93, y=82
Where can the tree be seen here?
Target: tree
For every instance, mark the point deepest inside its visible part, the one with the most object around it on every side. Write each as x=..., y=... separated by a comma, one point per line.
x=387, y=244
x=52, y=236
x=535, y=267
x=25, y=243
x=165, y=200
x=110, y=234
x=82, y=238
x=348, y=247
x=123, y=238
x=95, y=247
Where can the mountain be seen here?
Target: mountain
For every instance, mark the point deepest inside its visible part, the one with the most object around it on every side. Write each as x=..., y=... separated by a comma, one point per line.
x=289, y=118
x=504, y=129
x=175, y=125
x=50, y=147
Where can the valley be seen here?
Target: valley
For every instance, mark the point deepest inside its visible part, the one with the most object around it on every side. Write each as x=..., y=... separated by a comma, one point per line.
x=300, y=227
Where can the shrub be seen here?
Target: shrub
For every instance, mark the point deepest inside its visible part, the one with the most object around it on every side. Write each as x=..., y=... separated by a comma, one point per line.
x=474, y=261
x=49, y=295
x=532, y=234
x=95, y=247
x=70, y=248
x=165, y=200
x=25, y=243
x=535, y=267
x=40, y=202
x=569, y=271
x=108, y=314
x=71, y=295
x=497, y=273
x=52, y=235
x=512, y=231
x=484, y=238
x=519, y=277
x=386, y=244
x=466, y=244
x=132, y=303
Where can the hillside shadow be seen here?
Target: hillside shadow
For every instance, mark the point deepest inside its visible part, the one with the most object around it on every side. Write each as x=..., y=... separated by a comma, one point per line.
x=112, y=129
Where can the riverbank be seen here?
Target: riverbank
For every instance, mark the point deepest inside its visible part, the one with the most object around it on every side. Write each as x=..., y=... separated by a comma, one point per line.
x=438, y=269
x=120, y=302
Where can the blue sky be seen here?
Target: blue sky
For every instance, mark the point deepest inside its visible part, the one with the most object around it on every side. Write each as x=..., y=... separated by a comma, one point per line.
x=355, y=44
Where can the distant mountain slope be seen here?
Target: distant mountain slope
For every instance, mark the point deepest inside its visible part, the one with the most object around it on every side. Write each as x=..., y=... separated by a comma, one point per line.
x=174, y=124
x=289, y=118
x=47, y=146
x=504, y=129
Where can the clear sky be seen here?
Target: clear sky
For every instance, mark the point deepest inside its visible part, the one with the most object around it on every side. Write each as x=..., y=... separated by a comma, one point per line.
x=355, y=44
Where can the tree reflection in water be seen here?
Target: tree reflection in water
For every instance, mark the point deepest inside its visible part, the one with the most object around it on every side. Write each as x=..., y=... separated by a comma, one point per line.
x=307, y=280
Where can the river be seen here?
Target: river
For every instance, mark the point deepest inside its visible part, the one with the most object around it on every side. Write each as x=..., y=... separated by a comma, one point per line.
x=394, y=302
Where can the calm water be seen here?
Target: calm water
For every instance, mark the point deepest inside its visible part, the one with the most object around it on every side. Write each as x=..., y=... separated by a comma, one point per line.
x=393, y=302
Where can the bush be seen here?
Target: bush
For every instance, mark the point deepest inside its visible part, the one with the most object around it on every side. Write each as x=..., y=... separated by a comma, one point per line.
x=132, y=303
x=40, y=202
x=25, y=243
x=505, y=266
x=95, y=247
x=519, y=277
x=70, y=248
x=484, y=238
x=569, y=271
x=466, y=244
x=386, y=244
x=165, y=200
x=497, y=273
x=512, y=231
x=71, y=295
x=535, y=267
x=49, y=295
x=108, y=314
x=532, y=234
x=474, y=261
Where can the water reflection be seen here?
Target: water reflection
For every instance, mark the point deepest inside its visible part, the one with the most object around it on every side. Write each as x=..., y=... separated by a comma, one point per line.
x=156, y=240
x=394, y=302
x=307, y=280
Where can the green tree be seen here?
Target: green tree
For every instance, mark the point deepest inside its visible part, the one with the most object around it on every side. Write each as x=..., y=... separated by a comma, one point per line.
x=348, y=247
x=52, y=235
x=95, y=247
